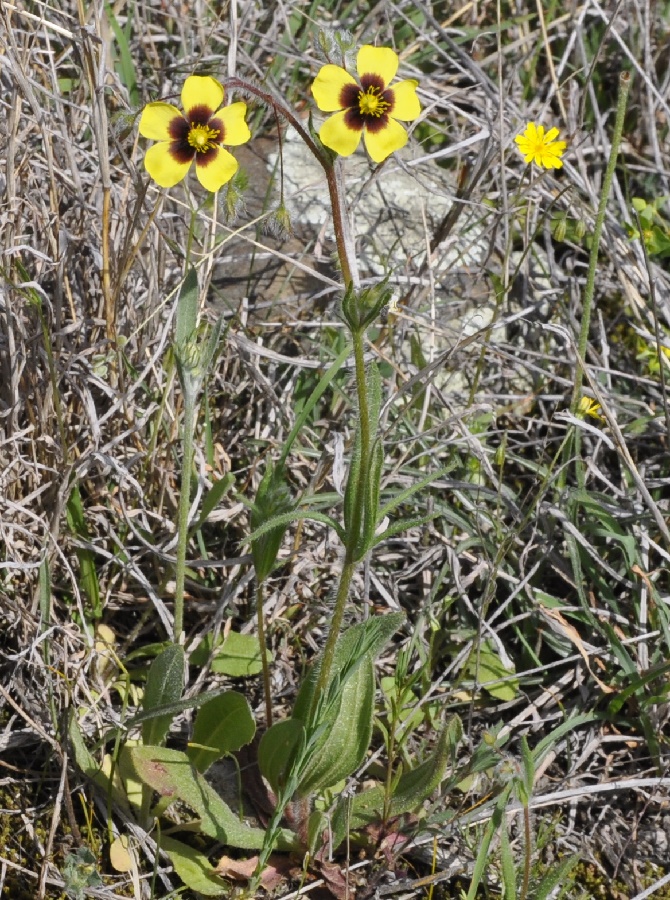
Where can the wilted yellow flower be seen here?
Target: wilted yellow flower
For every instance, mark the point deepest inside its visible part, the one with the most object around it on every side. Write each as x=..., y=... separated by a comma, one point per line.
x=367, y=107
x=196, y=134
x=541, y=148
x=589, y=407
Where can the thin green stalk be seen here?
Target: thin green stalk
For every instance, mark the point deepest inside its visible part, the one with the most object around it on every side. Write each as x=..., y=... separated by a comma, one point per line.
x=572, y=446
x=353, y=534
x=267, y=686
x=347, y=259
x=348, y=569
x=182, y=515
x=589, y=290
x=528, y=841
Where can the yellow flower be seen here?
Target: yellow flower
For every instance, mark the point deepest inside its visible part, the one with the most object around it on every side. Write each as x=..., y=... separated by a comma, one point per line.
x=589, y=407
x=366, y=107
x=197, y=134
x=544, y=149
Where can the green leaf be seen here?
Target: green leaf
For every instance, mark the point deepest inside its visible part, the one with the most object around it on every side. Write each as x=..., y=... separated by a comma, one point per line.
x=352, y=487
x=126, y=66
x=212, y=499
x=342, y=747
x=82, y=757
x=487, y=666
x=187, y=308
x=312, y=400
x=312, y=515
x=411, y=790
x=222, y=725
x=508, y=869
x=362, y=641
x=194, y=868
x=483, y=855
x=418, y=784
x=273, y=498
x=87, y=571
x=278, y=749
x=239, y=656
x=371, y=505
x=409, y=492
x=172, y=775
x=165, y=684
x=211, y=348
x=558, y=874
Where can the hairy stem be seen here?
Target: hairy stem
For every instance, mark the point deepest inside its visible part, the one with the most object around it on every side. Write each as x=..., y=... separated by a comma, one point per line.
x=182, y=514
x=267, y=687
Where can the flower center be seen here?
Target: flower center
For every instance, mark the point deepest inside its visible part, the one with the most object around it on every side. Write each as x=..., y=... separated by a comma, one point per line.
x=371, y=103
x=202, y=137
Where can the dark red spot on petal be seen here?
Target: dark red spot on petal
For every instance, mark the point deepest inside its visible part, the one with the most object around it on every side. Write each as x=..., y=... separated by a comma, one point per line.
x=200, y=114
x=181, y=151
x=371, y=80
x=179, y=129
x=349, y=96
x=207, y=157
x=376, y=123
x=218, y=125
x=389, y=97
x=353, y=119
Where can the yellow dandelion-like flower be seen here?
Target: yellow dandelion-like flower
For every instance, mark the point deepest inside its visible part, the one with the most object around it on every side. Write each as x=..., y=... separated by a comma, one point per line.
x=541, y=148
x=367, y=107
x=589, y=407
x=196, y=134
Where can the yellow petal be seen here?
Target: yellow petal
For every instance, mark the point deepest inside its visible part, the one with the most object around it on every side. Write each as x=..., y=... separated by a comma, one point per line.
x=235, y=129
x=384, y=142
x=336, y=134
x=551, y=135
x=327, y=87
x=406, y=104
x=155, y=120
x=381, y=61
x=215, y=168
x=201, y=90
x=163, y=167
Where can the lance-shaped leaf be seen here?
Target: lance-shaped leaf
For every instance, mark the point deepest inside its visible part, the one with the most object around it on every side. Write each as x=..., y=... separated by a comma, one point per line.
x=165, y=684
x=273, y=498
x=363, y=641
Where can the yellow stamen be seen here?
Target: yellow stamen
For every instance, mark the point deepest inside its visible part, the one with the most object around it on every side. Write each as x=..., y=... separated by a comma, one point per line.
x=371, y=103
x=202, y=137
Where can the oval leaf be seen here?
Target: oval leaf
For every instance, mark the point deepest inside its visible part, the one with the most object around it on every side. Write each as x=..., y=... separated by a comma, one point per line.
x=277, y=751
x=222, y=725
x=194, y=868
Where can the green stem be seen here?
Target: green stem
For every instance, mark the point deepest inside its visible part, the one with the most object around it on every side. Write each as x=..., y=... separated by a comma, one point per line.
x=267, y=686
x=589, y=290
x=348, y=264
x=348, y=569
x=572, y=446
x=182, y=515
x=353, y=533
x=528, y=841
